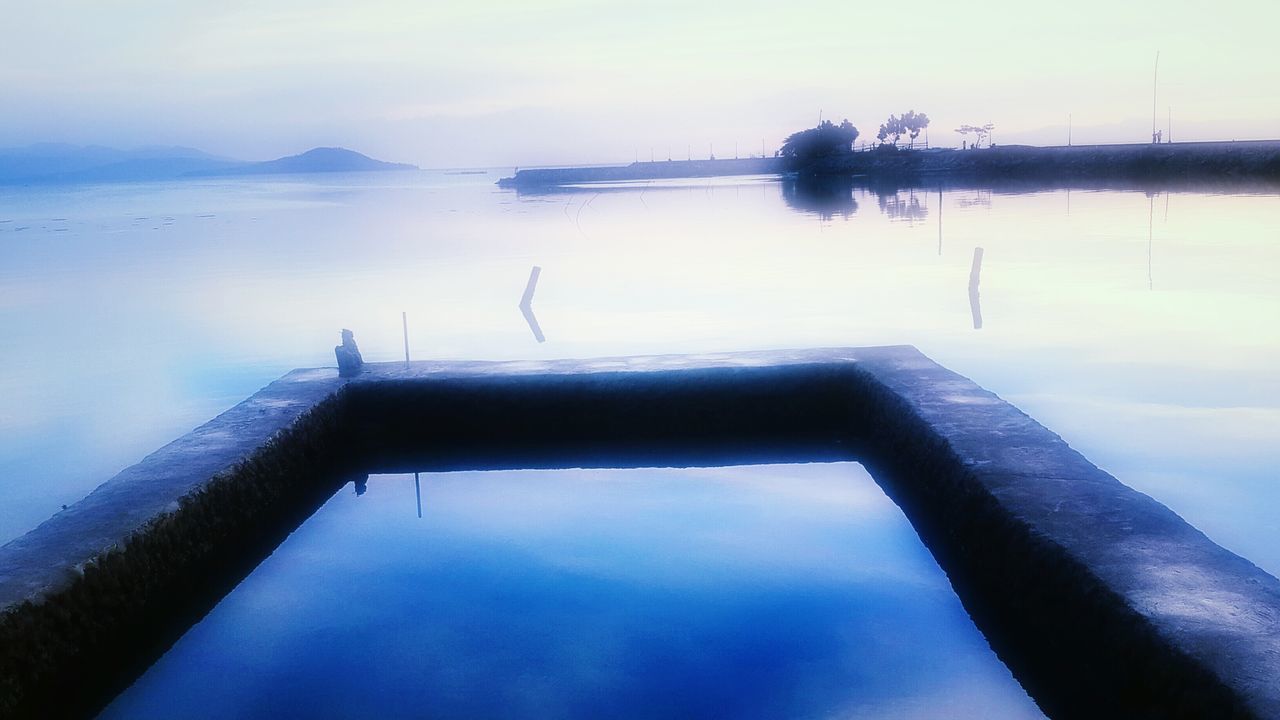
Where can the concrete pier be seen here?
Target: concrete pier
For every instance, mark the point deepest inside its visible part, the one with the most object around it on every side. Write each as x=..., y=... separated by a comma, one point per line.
x=1101, y=600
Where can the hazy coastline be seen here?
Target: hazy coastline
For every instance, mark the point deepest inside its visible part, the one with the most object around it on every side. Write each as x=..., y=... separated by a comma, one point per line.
x=1258, y=159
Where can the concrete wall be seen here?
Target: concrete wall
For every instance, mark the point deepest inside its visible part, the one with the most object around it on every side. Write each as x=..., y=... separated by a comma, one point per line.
x=1101, y=600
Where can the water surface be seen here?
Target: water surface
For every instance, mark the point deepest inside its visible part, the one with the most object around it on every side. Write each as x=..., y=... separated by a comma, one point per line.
x=1140, y=324
x=795, y=591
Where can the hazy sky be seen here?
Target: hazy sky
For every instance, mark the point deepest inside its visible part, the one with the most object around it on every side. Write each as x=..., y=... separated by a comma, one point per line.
x=492, y=83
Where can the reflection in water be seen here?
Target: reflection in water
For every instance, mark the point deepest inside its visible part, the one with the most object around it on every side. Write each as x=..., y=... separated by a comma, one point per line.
x=1160, y=396
x=825, y=196
x=974, y=272
x=980, y=197
x=897, y=207
x=526, y=304
x=1151, y=215
x=769, y=591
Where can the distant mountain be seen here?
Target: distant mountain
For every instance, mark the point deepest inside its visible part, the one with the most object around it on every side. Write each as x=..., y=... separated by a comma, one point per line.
x=57, y=163
x=316, y=160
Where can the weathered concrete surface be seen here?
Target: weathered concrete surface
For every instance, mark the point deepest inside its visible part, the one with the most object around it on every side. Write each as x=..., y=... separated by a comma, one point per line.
x=43, y=560
x=1100, y=599
x=1113, y=589
x=96, y=592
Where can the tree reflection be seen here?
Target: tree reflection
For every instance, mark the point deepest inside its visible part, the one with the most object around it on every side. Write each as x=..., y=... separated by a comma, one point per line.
x=898, y=206
x=822, y=195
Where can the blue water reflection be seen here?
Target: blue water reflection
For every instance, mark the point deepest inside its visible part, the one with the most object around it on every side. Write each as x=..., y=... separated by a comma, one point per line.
x=1137, y=322
x=745, y=592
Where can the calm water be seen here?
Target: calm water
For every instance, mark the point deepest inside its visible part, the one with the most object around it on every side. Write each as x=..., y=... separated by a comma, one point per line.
x=1143, y=327
x=745, y=592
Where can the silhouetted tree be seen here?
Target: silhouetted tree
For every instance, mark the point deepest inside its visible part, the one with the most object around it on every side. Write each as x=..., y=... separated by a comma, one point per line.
x=981, y=131
x=910, y=123
x=825, y=140
x=893, y=126
x=913, y=123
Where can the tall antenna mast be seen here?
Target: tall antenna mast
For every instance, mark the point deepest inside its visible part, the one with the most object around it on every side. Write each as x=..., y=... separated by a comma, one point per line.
x=1155, y=76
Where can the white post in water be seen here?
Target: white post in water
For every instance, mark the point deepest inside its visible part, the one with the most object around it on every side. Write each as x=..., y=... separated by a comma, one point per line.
x=975, y=272
x=404, y=321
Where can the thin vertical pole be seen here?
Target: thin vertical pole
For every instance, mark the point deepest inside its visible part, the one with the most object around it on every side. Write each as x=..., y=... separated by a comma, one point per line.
x=1155, y=77
x=404, y=320
x=417, y=490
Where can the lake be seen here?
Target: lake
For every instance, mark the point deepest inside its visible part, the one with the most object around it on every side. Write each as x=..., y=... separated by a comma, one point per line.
x=1141, y=324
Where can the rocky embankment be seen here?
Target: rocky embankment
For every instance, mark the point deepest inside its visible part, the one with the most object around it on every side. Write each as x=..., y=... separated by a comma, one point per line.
x=1259, y=159
x=663, y=170
x=1171, y=161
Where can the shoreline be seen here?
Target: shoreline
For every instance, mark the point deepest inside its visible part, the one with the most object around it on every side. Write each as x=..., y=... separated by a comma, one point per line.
x=1246, y=159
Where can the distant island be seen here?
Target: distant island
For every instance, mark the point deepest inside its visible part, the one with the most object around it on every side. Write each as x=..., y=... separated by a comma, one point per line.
x=316, y=160
x=54, y=163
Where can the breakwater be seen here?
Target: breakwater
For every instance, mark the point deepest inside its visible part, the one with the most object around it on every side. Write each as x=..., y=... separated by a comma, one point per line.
x=663, y=170
x=1207, y=161
x=1101, y=600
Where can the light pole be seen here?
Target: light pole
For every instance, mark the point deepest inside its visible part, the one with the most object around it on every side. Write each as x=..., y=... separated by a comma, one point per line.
x=1155, y=77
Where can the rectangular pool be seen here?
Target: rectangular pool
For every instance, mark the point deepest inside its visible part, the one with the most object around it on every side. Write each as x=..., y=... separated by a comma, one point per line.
x=751, y=591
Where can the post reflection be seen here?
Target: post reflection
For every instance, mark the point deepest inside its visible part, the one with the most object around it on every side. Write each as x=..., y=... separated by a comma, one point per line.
x=526, y=304
x=1151, y=217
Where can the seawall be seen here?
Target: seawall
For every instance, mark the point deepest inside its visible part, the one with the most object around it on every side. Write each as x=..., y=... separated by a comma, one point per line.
x=1101, y=600
x=660, y=170
x=1168, y=162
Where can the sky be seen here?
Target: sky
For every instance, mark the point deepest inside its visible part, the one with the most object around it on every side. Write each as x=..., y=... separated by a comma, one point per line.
x=489, y=83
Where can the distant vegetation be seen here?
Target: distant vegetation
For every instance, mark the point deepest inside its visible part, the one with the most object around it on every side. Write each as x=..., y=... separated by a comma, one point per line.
x=828, y=142
x=980, y=132
x=825, y=141
x=910, y=123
